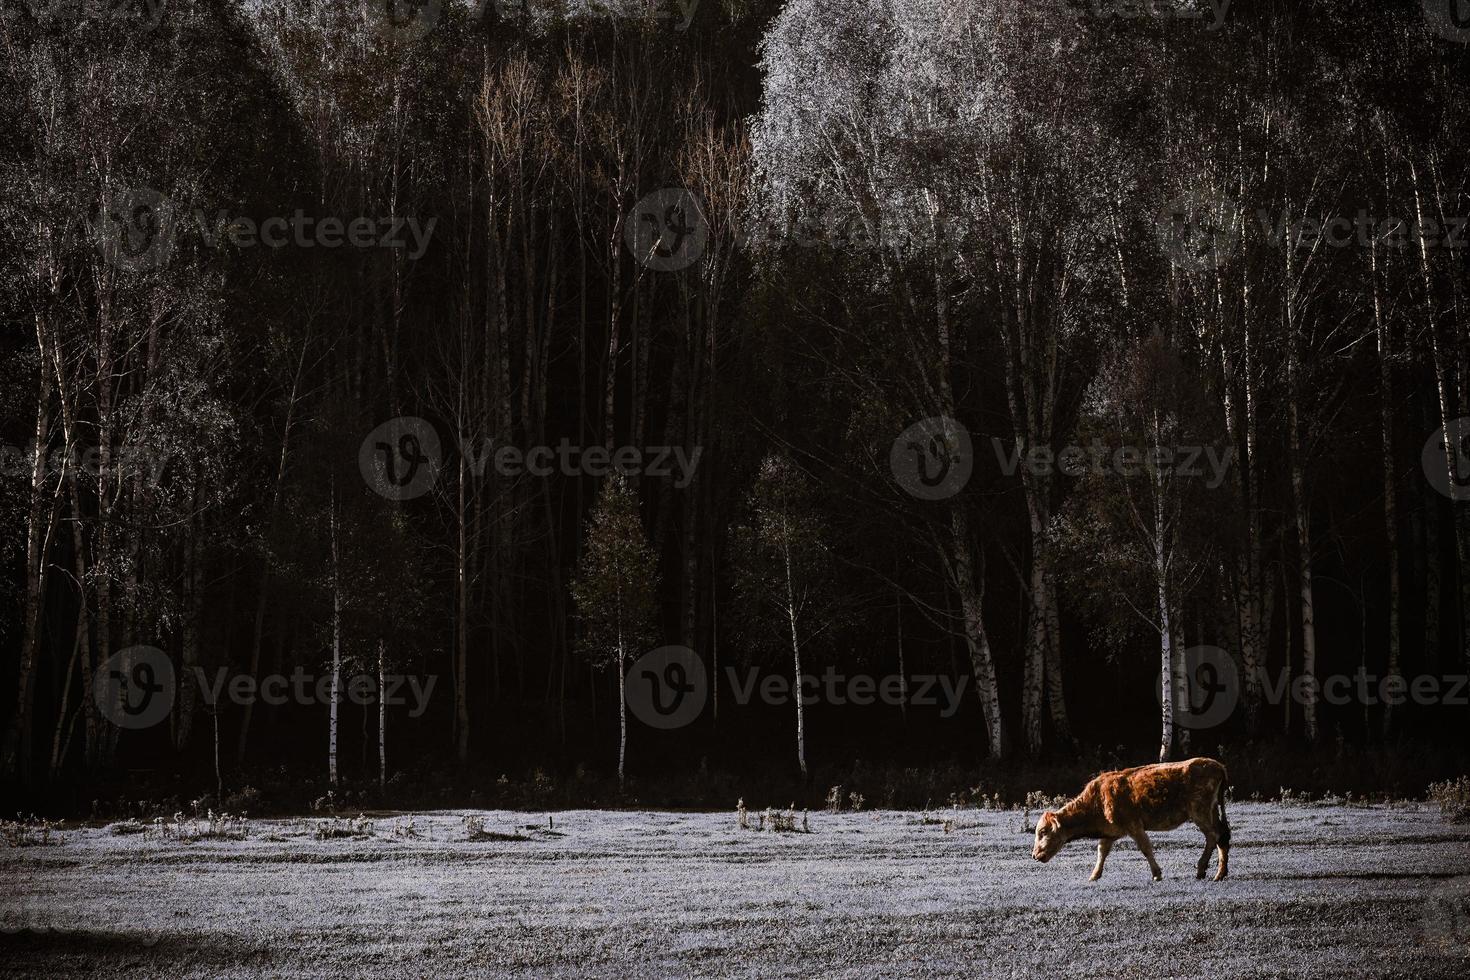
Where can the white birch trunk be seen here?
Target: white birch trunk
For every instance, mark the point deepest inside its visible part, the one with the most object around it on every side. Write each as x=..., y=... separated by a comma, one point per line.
x=461, y=621
x=982, y=663
x=38, y=523
x=382, y=722
x=1426, y=553
x=1034, y=673
x=795, y=654
x=1055, y=693
x=903, y=674
x=62, y=716
x=1181, y=685
x=1390, y=487
x=336, y=646
x=1444, y=390
x=1166, y=671
x=714, y=640
x=1253, y=622
x=622, y=713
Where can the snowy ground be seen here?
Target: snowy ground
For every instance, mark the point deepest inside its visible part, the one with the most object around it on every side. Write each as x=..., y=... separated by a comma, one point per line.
x=1321, y=892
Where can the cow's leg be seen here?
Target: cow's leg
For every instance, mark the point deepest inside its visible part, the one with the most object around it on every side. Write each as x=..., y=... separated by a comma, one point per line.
x=1204, y=861
x=1222, y=830
x=1103, y=847
x=1141, y=839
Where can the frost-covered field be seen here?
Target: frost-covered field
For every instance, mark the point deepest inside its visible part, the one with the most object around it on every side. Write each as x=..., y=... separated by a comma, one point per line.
x=1322, y=892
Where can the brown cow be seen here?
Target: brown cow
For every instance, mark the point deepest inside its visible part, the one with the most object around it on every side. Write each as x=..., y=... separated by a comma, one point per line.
x=1130, y=802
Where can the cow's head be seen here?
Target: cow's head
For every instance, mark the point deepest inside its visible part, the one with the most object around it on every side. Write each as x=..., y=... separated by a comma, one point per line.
x=1049, y=837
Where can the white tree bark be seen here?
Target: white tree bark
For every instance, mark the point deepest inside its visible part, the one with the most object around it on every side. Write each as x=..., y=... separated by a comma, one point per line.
x=1390, y=485
x=64, y=720
x=382, y=721
x=336, y=644
x=714, y=641
x=622, y=713
x=39, y=521
x=1240, y=421
x=982, y=663
x=903, y=675
x=1444, y=388
x=461, y=618
x=1166, y=669
x=1181, y=684
x=1427, y=568
x=83, y=644
x=1167, y=680
x=800, y=706
x=795, y=658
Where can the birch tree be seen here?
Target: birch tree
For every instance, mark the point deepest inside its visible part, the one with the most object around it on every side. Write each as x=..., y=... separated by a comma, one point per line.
x=784, y=575
x=1135, y=524
x=336, y=585
x=615, y=590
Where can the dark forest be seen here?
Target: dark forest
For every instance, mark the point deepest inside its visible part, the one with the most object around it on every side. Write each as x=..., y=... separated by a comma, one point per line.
x=415, y=406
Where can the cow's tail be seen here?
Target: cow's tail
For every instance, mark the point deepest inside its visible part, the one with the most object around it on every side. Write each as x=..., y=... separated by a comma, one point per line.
x=1222, y=825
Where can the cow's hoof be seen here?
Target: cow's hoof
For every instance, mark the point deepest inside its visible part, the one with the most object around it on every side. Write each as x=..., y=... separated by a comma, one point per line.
x=1200, y=875
x=1158, y=876
x=1093, y=877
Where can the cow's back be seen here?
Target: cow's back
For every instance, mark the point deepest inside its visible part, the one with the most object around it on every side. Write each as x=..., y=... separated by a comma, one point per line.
x=1169, y=794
